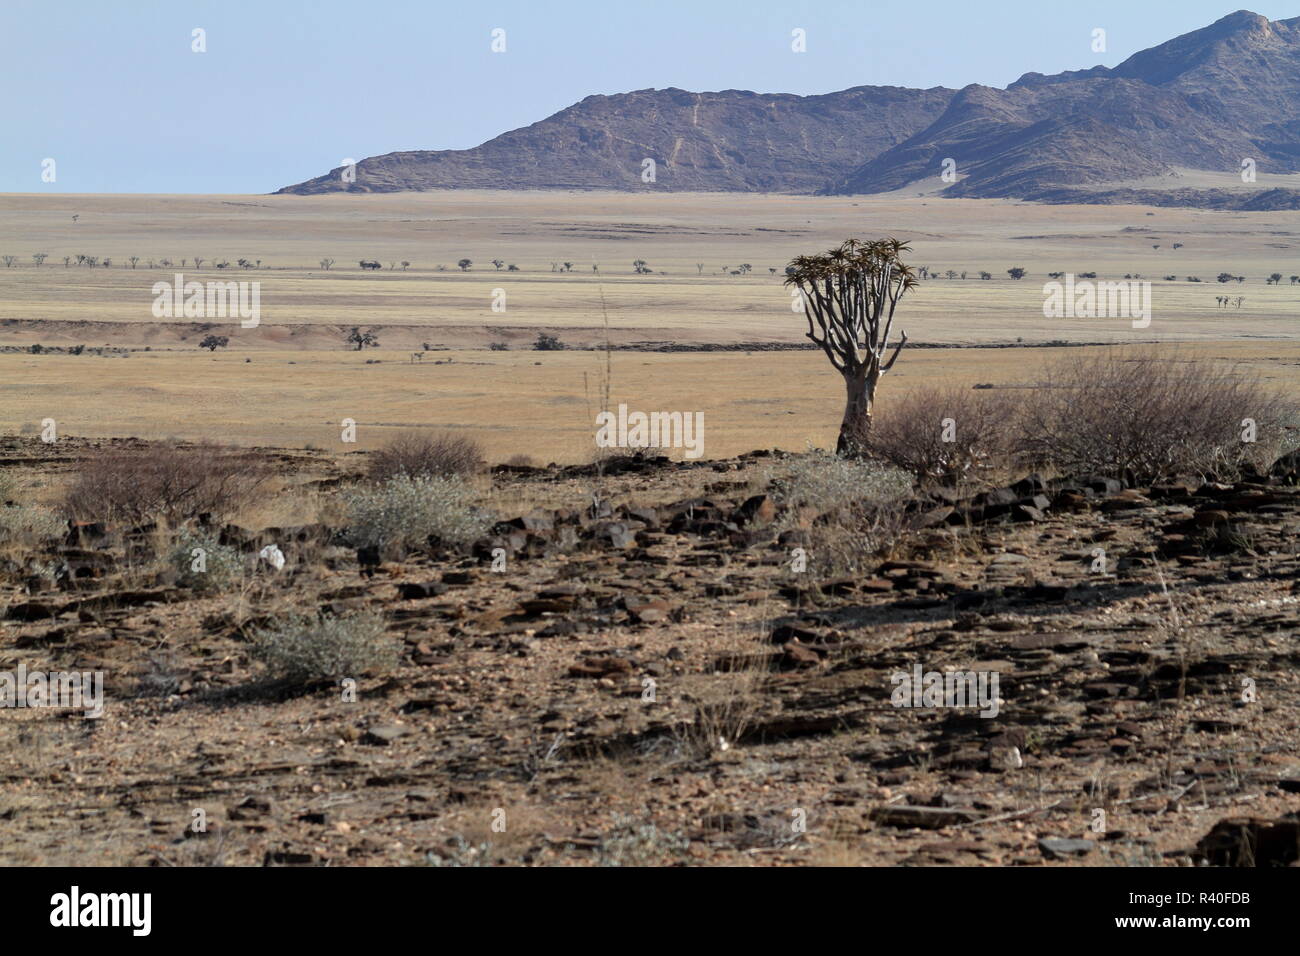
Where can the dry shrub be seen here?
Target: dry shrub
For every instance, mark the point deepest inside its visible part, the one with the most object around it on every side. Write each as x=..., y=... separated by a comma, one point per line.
x=638, y=842
x=305, y=649
x=30, y=525
x=1148, y=417
x=729, y=698
x=945, y=433
x=202, y=563
x=419, y=453
x=851, y=510
x=405, y=511
x=169, y=482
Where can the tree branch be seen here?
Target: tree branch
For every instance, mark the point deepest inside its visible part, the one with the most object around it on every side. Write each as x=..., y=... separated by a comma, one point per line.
x=894, y=358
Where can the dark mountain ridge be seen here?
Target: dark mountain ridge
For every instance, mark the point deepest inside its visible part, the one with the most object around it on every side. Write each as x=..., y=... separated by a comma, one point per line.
x=1208, y=100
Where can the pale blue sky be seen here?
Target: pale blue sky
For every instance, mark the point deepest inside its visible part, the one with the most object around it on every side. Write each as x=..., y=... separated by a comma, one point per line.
x=288, y=88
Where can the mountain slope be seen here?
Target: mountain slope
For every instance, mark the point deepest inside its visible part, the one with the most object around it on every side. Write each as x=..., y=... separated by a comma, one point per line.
x=1207, y=100
x=733, y=140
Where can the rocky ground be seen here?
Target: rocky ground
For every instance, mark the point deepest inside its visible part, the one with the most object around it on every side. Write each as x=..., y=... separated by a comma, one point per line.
x=647, y=679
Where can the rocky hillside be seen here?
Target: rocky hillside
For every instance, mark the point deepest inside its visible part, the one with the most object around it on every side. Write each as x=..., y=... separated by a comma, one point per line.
x=1207, y=100
x=733, y=141
x=648, y=682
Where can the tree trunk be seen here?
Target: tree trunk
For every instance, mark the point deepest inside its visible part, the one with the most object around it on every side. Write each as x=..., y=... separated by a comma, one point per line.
x=856, y=425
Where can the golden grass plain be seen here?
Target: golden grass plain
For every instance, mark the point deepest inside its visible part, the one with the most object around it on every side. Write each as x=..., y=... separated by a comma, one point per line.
x=292, y=380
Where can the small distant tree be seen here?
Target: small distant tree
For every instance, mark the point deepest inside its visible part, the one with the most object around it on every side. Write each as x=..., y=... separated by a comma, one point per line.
x=39, y=258
x=1275, y=278
x=9, y=261
x=324, y=264
x=547, y=343
x=1017, y=273
x=66, y=261
x=512, y=268
x=133, y=260
x=214, y=342
x=498, y=263
x=464, y=264
x=362, y=339
x=1177, y=246
x=405, y=265
x=986, y=275
x=568, y=267
x=640, y=266
x=198, y=262
x=700, y=267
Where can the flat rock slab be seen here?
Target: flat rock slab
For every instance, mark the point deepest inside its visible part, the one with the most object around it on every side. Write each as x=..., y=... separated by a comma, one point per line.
x=1059, y=849
x=926, y=818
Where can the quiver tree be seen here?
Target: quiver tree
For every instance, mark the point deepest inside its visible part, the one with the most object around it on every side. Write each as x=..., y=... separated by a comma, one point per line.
x=849, y=296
